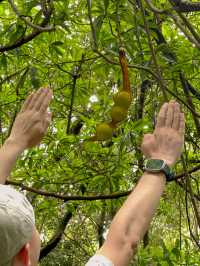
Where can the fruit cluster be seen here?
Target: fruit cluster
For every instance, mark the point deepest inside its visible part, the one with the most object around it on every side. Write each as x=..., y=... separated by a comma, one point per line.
x=122, y=101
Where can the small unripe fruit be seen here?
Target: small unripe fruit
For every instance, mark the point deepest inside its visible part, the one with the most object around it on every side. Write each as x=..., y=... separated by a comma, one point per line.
x=118, y=114
x=103, y=132
x=122, y=99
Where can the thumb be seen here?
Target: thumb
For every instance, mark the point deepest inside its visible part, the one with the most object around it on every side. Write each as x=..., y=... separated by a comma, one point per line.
x=147, y=143
x=147, y=138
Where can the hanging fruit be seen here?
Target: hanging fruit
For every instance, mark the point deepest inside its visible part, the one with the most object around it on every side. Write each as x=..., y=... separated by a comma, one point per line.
x=118, y=114
x=122, y=101
x=104, y=131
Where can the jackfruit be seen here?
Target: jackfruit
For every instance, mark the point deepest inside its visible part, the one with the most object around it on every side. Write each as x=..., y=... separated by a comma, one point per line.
x=118, y=114
x=103, y=131
x=122, y=99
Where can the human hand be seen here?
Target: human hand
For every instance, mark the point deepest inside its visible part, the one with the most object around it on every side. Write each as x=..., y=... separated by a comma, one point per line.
x=166, y=142
x=32, y=122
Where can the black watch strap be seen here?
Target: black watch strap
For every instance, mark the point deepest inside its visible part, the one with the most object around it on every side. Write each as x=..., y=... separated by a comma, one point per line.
x=168, y=173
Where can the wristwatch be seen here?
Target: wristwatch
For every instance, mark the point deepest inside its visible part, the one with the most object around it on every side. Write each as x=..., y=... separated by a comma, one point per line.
x=156, y=166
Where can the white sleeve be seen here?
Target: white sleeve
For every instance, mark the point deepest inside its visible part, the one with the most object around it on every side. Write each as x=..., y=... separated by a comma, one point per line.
x=99, y=260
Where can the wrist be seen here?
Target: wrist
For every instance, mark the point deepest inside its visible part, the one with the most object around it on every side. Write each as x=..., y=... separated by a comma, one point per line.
x=159, y=176
x=15, y=145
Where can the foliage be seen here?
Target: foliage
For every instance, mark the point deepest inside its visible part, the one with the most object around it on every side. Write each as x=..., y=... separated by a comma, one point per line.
x=75, y=52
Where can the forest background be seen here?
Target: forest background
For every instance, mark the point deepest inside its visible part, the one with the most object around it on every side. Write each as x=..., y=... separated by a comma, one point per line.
x=77, y=185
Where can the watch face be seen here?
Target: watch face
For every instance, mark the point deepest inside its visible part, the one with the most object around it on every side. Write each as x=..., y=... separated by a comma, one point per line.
x=155, y=165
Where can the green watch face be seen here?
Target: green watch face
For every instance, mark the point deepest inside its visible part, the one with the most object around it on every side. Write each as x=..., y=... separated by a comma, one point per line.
x=155, y=165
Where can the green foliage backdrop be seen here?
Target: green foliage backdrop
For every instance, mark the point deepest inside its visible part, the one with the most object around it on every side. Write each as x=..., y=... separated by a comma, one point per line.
x=76, y=186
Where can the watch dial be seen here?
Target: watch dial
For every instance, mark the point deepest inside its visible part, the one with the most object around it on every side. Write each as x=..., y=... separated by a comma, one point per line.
x=154, y=164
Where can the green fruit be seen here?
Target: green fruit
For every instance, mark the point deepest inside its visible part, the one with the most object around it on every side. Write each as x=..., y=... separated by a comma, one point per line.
x=118, y=114
x=103, y=132
x=122, y=99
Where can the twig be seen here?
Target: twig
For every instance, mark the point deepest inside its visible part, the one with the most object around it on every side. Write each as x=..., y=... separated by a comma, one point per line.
x=185, y=86
x=28, y=22
x=91, y=25
x=117, y=19
x=195, y=39
x=189, y=26
x=160, y=79
x=96, y=50
x=153, y=8
x=75, y=75
x=25, y=39
x=9, y=77
x=181, y=27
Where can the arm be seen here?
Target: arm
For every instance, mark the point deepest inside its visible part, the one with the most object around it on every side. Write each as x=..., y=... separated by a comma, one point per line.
x=133, y=219
x=28, y=130
x=9, y=153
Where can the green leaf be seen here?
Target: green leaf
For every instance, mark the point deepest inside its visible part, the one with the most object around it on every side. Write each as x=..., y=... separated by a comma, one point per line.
x=3, y=62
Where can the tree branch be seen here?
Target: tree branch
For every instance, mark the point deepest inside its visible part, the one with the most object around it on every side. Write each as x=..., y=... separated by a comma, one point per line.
x=25, y=39
x=53, y=242
x=183, y=6
x=194, y=38
x=157, y=67
x=28, y=22
x=75, y=75
x=89, y=198
x=153, y=8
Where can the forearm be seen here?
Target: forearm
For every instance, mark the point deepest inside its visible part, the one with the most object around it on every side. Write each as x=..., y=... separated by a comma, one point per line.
x=133, y=219
x=9, y=153
x=138, y=210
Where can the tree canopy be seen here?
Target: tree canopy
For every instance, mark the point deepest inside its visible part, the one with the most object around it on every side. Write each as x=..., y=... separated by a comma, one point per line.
x=76, y=185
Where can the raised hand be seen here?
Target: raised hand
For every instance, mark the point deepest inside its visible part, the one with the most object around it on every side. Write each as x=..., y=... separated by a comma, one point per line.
x=166, y=142
x=32, y=122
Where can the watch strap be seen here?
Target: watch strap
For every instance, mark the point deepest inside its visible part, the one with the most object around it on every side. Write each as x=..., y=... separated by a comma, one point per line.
x=168, y=173
x=161, y=166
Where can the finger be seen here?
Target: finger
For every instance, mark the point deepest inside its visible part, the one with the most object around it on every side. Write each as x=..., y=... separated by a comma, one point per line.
x=46, y=102
x=162, y=116
x=26, y=104
x=176, y=120
x=47, y=120
x=170, y=115
x=48, y=117
x=182, y=124
x=35, y=97
x=41, y=98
